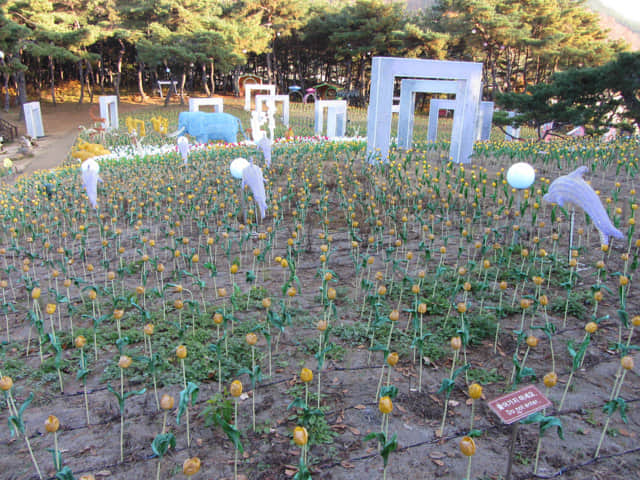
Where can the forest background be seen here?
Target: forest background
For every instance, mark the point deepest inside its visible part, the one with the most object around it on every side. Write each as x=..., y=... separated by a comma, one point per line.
x=204, y=45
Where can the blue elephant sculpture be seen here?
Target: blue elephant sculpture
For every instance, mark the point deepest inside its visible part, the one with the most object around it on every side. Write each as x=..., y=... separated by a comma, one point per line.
x=207, y=126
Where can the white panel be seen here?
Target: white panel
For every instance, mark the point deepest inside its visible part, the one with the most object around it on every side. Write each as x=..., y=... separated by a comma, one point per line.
x=33, y=119
x=109, y=111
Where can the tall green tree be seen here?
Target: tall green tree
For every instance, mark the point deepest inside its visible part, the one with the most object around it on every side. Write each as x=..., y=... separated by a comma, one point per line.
x=13, y=36
x=597, y=97
x=366, y=29
x=53, y=31
x=280, y=20
x=523, y=42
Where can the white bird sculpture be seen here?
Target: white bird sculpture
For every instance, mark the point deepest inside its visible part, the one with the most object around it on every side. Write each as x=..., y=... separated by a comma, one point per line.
x=183, y=148
x=90, y=178
x=252, y=176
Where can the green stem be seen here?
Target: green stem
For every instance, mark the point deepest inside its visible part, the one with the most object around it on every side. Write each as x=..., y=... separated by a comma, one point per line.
x=121, y=417
x=55, y=451
x=184, y=381
x=235, y=463
x=535, y=465
x=566, y=389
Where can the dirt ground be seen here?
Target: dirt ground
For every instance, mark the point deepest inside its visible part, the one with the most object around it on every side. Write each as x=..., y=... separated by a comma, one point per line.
x=62, y=124
x=349, y=381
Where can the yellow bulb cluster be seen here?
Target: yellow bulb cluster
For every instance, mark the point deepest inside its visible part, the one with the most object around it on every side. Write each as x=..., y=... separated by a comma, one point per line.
x=85, y=150
x=160, y=124
x=135, y=125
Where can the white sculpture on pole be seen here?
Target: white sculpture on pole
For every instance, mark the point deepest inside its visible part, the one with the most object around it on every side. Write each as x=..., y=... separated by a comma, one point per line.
x=90, y=178
x=33, y=119
x=257, y=120
x=183, y=148
x=385, y=70
x=270, y=101
x=109, y=111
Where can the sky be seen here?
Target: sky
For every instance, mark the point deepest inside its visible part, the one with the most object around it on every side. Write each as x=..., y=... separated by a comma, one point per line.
x=628, y=8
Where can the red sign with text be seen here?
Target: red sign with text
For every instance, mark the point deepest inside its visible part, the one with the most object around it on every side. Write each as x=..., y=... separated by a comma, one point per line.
x=520, y=404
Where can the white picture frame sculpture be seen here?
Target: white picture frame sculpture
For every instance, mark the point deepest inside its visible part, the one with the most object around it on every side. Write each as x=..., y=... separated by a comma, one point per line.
x=435, y=105
x=336, y=117
x=33, y=119
x=384, y=71
x=482, y=124
x=197, y=102
x=270, y=101
x=408, y=89
x=109, y=111
x=248, y=88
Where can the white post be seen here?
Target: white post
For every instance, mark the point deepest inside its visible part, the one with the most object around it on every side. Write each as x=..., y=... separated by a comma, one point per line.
x=109, y=111
x=33, y=119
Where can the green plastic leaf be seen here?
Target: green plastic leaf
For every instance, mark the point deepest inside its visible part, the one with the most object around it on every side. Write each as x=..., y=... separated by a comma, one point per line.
x=82, y=374
x=297, y=403
x=187, y=395
x=617, y=403
x=65, y=473
x=57, y=456
x=162, y=443
x=389, y=447
x=234, y=435
x=379, y=436
x=390, y=391
x=446, y=386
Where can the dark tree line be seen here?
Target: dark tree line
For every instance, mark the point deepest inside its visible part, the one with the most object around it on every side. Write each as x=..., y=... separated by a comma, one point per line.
x=204, y=45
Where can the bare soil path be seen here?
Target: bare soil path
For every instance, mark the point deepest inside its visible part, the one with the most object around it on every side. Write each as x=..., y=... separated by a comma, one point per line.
x=62, y=124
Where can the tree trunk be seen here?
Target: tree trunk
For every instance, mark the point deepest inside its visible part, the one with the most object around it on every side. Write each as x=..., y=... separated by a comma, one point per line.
x=269, y=68
x=167, y=99
x=101, y=72
x=119, y=68
x=39, y=79
x=90, y=80
x=22, y=91
x=81, y=75
x=52, y=71
x=183, y=81
x=205, y=84
x=212, y=78
x=143, y=96
x=7, y=97
x=299, y=71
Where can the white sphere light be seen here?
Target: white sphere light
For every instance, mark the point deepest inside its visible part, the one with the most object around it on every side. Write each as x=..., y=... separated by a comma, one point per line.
x=521, y=175
x=237, y=166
